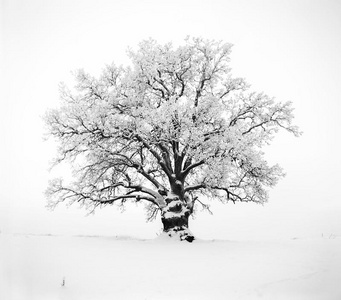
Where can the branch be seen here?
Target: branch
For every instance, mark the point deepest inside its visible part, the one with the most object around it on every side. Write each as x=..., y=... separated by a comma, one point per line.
x=97, y=195
x=158, y=198
x=163, y=165
x=241, y=116
x=195, y=187
x=166, y=156
x=256, y=126
x=117, y=198
x=133, y=164
x=185, y=172
x=204, y=206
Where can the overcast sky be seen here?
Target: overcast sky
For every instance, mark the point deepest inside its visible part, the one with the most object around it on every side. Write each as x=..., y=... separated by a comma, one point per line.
x=289, y=49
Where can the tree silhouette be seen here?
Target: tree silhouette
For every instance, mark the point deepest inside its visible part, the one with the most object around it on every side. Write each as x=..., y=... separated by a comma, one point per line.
x=172, y=129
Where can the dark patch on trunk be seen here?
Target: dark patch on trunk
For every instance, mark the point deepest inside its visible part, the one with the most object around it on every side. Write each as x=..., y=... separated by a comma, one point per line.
x=176, y=223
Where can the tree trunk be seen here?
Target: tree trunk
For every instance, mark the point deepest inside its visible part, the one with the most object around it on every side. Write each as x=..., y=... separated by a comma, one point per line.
x=174, y=218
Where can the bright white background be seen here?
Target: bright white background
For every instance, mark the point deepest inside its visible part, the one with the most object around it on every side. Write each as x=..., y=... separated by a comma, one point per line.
x=289, y=49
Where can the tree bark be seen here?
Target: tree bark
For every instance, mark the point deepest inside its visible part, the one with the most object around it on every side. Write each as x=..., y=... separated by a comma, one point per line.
x=174, y=218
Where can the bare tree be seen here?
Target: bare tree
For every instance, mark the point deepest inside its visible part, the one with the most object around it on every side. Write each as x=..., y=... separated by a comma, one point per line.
x=173, y=129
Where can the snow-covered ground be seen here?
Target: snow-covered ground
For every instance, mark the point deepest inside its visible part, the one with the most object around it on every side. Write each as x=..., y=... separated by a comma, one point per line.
x=60, y=267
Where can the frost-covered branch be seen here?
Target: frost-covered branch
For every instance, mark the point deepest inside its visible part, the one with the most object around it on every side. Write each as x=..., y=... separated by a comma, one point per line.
x=92, y=194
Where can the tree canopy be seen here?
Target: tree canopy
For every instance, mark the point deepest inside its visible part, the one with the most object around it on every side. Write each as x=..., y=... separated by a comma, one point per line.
x=173, y=122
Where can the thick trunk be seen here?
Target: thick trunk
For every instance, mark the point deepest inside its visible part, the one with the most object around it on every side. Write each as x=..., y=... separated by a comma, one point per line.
x=175, y=219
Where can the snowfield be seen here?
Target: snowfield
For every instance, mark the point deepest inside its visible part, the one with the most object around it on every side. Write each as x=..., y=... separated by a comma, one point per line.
x=60, y=267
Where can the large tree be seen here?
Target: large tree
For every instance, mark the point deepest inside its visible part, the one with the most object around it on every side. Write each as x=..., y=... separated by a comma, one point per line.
x=173, y=129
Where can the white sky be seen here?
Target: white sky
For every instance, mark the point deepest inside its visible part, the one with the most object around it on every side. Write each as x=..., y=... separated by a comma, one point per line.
x=289, y=49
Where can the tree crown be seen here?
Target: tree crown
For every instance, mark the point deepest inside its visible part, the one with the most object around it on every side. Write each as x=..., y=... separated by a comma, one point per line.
x=174, y=122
